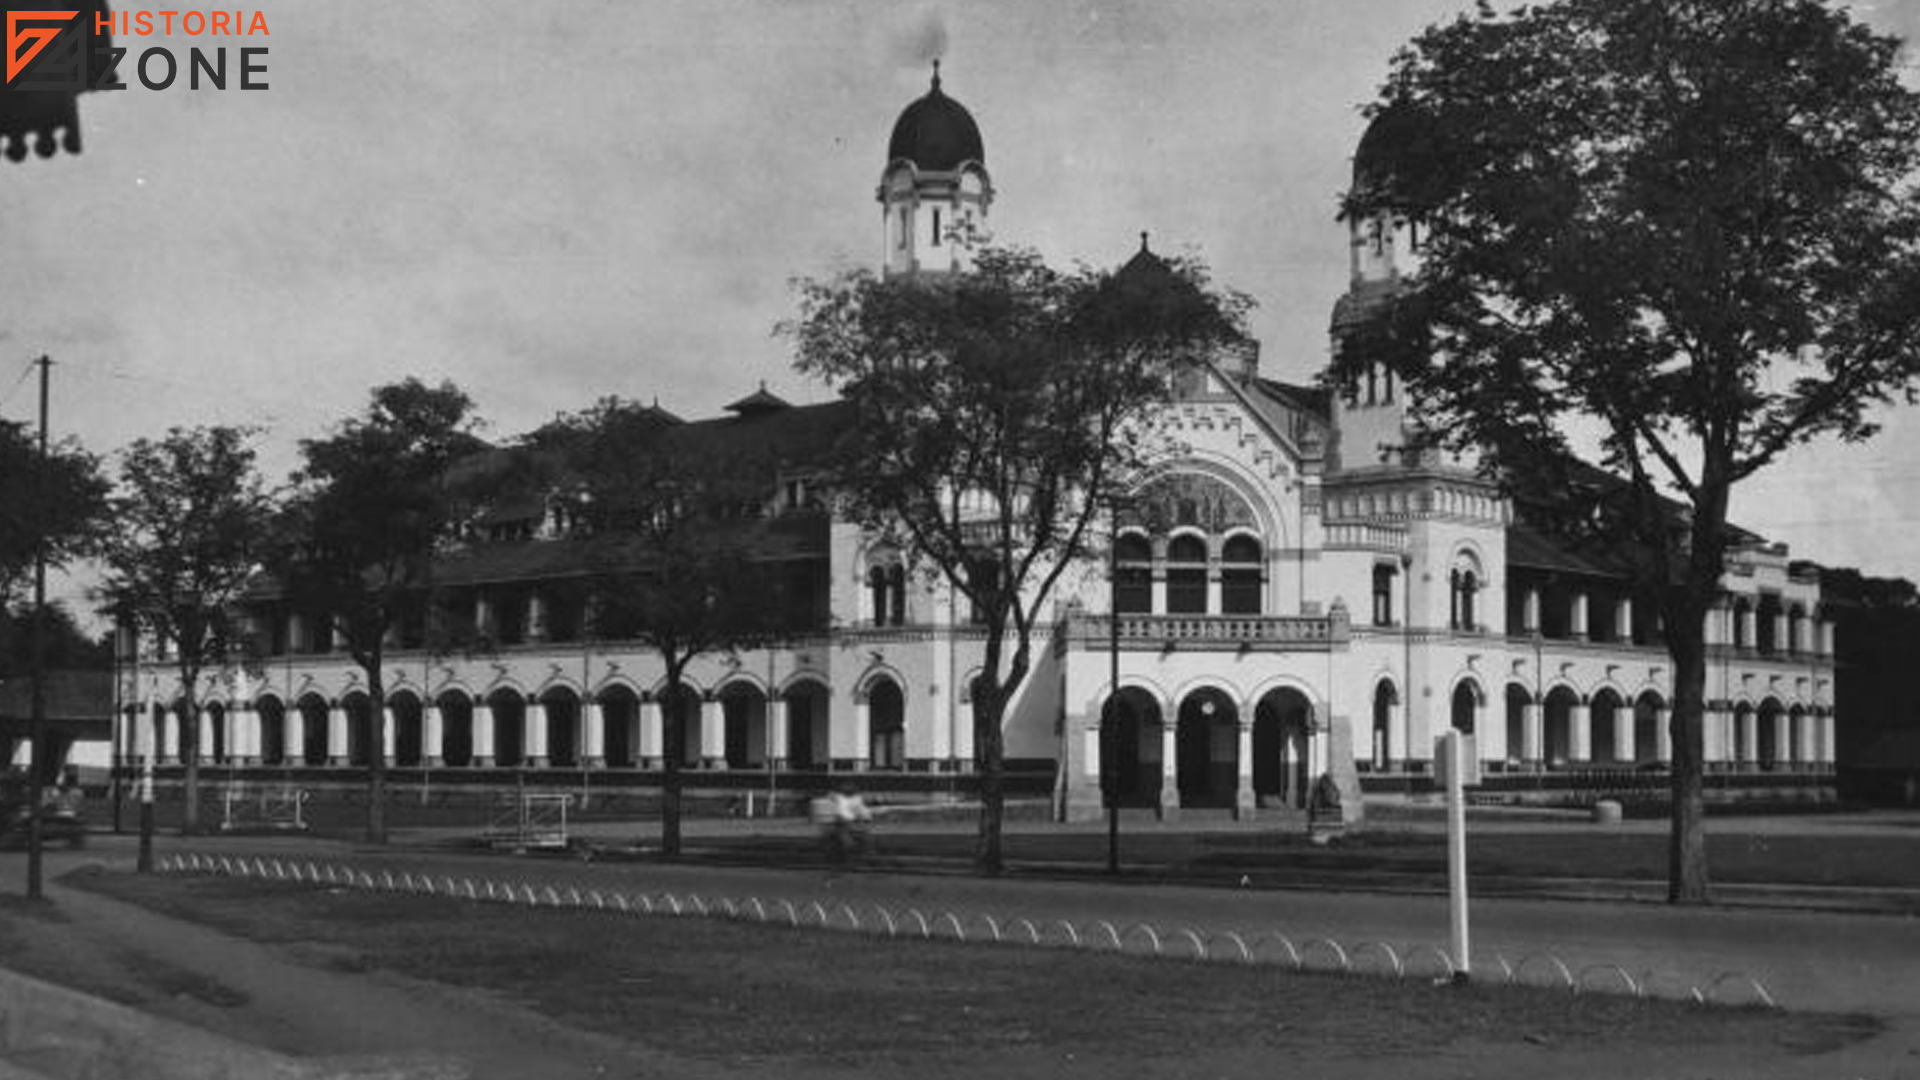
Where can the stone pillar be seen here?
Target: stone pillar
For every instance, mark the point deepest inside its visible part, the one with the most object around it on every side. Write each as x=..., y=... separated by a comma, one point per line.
x=1580, y=732
x=1780, y=642
x=1825, y=721
x=337, y=734
x=862, y=732
x=249, y=724
x=1159, y=588
x=388, y=735
x=1530, y=612
x=1396, y=731
x=777, y=732
x=433, y=737
x=593, y=734
x=713, y=733
x=1782, y=739
x=1090, y=753
x=1748, y=747
x=1243, y=792
x=1624, y=748
x=1533, y=733
x=1663, y=735
x=1577, y=617
x=482, y=735
x=169, y=737
x=1213, y=590
x=652, y=734
x=1169, y=769
x=1806, y=740
x=294, y=740
x=535, y=728
x=1623, y=622
x=1748, y=621
x=963, y=735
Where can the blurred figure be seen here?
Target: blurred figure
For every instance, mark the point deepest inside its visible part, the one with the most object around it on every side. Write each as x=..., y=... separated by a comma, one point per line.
x=843, y=820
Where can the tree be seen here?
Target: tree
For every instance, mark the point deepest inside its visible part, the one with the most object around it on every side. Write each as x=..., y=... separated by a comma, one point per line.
x=191, y=521
x=1689, y=224
x=676, y=540
x=374, y=501
x=996, y=412
x=62, y=504
x=67, y=645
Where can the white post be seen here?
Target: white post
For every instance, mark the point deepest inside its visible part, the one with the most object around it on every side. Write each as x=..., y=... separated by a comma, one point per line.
x=1457, y=758
x=337, y=734
x=652, y=735
x=776, y=732
x=713, y=734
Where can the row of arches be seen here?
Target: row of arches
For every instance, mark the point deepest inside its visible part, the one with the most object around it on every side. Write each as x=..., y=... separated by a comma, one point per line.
x=1561, y=728
x=1208, y=753
x=738, y=727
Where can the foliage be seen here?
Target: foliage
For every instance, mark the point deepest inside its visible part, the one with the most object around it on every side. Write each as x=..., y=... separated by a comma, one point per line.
x=1690, y=224
x=63, y=504
x=675, y=534
x=67, y=645
x=374, y=501
x=190, y=527
x=996, y=412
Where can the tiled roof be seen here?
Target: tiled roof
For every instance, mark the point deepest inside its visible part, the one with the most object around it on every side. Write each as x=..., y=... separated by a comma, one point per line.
x=71, y=696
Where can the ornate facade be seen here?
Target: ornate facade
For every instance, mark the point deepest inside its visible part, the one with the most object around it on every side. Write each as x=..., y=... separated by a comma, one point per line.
x=1292, y=594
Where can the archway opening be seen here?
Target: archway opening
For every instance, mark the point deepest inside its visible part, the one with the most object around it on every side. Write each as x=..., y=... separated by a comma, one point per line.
x=1282, y=725
x=456, y=729
x=1130, y=763
x=1208, y=748
x=313, y=730
x=1557, y=725
x=273, y=731
x=620, y=716
x=1604, y=716
x=886, y=726
x=808, y=745
x=743, y=709
x=408, y=740
x=509, y=710
x=562, y=707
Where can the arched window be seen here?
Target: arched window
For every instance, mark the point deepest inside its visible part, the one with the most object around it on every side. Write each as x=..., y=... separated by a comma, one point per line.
x=1240, y=574
x=1383, y=576
x=1187, y=575
x=1133, y=575
x=887, y=589
x=1465, y=579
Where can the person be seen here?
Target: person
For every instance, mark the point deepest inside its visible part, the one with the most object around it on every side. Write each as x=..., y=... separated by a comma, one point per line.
x=843, y=819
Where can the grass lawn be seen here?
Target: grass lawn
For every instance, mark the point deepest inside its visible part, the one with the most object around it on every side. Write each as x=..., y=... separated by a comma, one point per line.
x=750, y=994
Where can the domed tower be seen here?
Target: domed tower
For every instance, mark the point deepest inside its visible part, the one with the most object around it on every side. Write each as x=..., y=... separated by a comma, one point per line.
x=1370, y=412
x=935, y=191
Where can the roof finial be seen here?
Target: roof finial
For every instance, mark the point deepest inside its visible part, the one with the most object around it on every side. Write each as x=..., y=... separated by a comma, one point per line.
x=1143, y=240
x=936, y=73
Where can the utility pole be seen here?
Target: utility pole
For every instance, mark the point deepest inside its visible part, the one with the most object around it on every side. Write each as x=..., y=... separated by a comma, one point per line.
x=36, y=728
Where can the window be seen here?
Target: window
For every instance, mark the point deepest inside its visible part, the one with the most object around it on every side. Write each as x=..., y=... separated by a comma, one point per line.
x=1240, y=574
x=1383, y=576
x=1187, y=575
x=1465, y=582
x=1133, y=575
x=887, y=591
x=936, y=227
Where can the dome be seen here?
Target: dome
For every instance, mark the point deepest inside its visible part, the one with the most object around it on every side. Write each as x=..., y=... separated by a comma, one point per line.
x=1396, y=125
x=936, y=133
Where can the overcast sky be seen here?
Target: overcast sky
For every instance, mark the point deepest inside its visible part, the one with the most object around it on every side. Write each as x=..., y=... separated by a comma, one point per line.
x=551, y=202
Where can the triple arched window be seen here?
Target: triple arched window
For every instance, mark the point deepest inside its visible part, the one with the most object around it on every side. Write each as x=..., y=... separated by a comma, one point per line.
x=1189, y=573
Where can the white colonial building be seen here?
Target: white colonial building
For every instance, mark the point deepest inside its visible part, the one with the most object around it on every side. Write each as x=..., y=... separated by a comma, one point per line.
x=1297, y=595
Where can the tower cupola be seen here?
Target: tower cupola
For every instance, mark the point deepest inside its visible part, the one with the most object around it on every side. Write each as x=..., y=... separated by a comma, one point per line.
x=935, y=191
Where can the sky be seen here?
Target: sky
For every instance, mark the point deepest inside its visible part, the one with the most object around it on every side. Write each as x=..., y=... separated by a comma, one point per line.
x=549, y=202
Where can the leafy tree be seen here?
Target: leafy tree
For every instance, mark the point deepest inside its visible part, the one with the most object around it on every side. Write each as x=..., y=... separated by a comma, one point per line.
x=996, y=412
x=191, y=520
x=67, y=645
x=671, y=525
x=63, y=504
x=1690, y=224
x=373, y=501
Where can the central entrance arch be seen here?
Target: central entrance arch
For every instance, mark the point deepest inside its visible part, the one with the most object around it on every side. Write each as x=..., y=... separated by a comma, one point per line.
x=1208, y=748
x=1130, y=767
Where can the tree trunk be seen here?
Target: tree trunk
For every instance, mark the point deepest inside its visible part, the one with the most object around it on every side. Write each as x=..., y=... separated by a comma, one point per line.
x=376, y=748
x=672, y=744
x=989, y=705
x=1687, y=881
x=189, y=759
